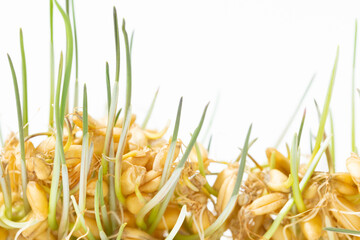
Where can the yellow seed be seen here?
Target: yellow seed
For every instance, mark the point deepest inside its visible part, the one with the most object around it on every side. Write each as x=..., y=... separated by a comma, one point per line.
x=312, y=228
x=225, y=193
x=353, y=166
x=171, y=215
x=281, y=162
x=99, y=141
x=207, y=219
x=140, y=157
x=151, y=186
x=90, y=189
x=138, y=139
x=277, y=181
x=136, y=234
x=34, y=230
x=92, y=123
x=193, y=154
x=46, y=146
x=343, y=212
x=45, y=236
x=229, y=171
x=37, y=200
x=160, y=158
x=73, y=152
x=41, y=168
x=268, y=203
x=90, y=201
x=91, y=224
x=3, y=233
x=344, y=184
x=311, y=191
x=131, y=178
x=282, y=234
x=120, y=121
x=129, y=218
x=133, y=204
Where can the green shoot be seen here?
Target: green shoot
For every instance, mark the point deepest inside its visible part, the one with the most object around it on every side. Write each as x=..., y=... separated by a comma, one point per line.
x=117, y=45
x=150, y=110
x=325, y=111
x=128, y=70
x=24, y=86
x=76, y=89
x=301, y=127
x=202, y=171
x=353, y=142
x=108, y=88
x=103, y=236
x=212, y=117
x=56, y=169
x=282, y=135
x=273, y=160
x=178, y=224
x=270, y=232
x=84, y=160
x=118, y=158
x=52, y=69
x=102, y=204
x=343, y=231
x=131, y=41
x=209, y=144
x=294, y=168
x=232, y=201
x=90, y=236
x=117, y=116
x=21, y=136
x=121, y=230
x=169, y=187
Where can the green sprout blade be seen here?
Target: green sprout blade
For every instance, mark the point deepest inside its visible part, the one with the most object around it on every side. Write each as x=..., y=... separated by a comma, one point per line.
x=76, y=89
x=202, y=171
x=52, y=69
x=24, y=87
x=118, y=158
x=150, y=110
x=178, y=224
x=64, y=221
x=353, y=140
x=209, y=144
x=231, y=204
x=117, y=116
x=67, y=7
x=21, y=136
x=68, y=62
x=57, y=163
x=121, y=230
x=165, y=190
x=112, y=194
x=6, y=190
x=166, y=172
x=108, y=88
x=332, y=145
x=128, y=69
x=90, y=236
x=97, y=204
x=276, y=223
x=343, y=231
x=84, y=155
x=301, y=127
x=283, y=133
x=117, y=45
x=102, y=204
x=325, y=111
x=131, y=41
x=294, y=168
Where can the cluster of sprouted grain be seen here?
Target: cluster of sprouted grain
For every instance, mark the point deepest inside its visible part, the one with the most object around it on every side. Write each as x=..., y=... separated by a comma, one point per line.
x=116, y=179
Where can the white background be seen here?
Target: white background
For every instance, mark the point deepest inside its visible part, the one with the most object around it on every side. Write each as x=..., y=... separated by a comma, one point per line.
x=258, y=56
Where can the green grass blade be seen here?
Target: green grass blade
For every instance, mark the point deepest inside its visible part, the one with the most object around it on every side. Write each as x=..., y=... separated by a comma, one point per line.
x=76, y=89
x=212, y=117
x=131, y=41
x=270, y=232
x=6, y=191
x=108, y=88
x=90, y=236
x=231, y=204
x=21, y=136
x=24, y=87
x=294, y=168
x=117, y=45
x=97, y=203
x=353, y=140
x=52, y=69
x=343, y=231
x=168, y=187
x=68, y=62
x=282, y=135
x=325, y=111
x=57, y=161
x=150, y=110
x=121, y=230
x=301, y=127
x=178, y=224
x=128, y=69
